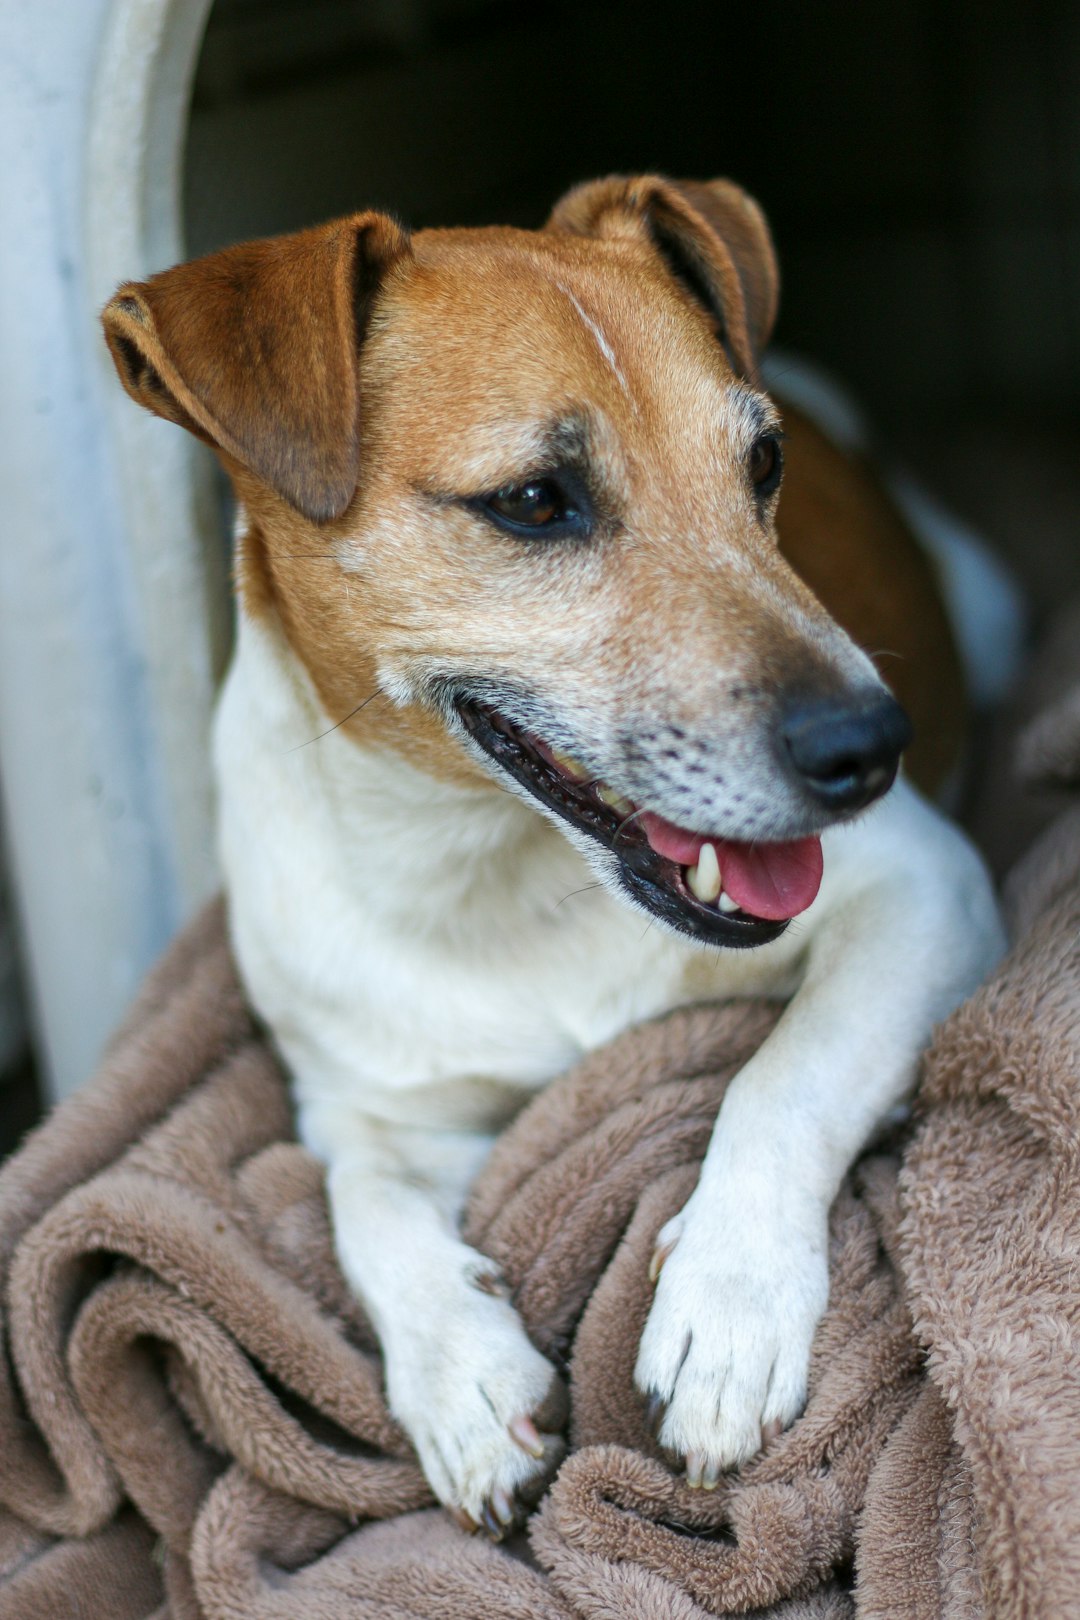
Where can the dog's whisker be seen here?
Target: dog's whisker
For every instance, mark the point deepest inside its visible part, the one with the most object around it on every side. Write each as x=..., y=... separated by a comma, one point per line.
x=621, y=828
x=585, y=888
x=337, y=724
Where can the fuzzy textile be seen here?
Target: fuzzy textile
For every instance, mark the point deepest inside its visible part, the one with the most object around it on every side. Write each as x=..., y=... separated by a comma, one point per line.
x=192, y=1424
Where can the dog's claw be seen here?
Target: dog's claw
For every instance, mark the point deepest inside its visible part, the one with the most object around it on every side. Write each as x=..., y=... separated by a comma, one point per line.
x=491, y=1524
x=525, y=1433
x=659, y=1255
x=463, y=1520
x=488, y=1279
x=702, y=1473
x=503, y=1505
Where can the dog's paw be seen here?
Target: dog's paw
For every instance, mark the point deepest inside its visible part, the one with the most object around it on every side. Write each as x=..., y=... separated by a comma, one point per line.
x=483, y=1408
x=724, y=1355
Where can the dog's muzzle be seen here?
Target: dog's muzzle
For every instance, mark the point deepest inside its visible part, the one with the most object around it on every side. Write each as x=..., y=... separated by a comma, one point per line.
x=680, y=886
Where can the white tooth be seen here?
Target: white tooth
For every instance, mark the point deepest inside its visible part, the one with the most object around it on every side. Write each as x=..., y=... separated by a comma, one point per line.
x=615, y=800
x=703, y=880
x=726, y=903
x=573, y=767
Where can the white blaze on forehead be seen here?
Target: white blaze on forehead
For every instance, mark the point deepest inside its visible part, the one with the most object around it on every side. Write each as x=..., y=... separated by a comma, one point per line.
x=601, y=341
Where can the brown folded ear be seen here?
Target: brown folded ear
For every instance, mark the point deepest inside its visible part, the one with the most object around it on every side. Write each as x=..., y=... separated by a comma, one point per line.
x=711, y=235
x=255, y=349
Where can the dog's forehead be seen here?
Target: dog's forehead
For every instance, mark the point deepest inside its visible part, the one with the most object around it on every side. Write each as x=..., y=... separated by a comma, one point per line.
x=518, y=329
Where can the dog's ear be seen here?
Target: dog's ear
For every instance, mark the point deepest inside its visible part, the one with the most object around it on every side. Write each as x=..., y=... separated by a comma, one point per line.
x=711, y=235
x=255, y=349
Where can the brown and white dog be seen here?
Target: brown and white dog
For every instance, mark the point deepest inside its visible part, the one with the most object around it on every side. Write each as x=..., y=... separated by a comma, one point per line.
x=515, y=617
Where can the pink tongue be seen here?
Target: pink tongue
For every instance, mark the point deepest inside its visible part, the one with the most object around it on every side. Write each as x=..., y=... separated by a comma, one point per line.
x=767, y=880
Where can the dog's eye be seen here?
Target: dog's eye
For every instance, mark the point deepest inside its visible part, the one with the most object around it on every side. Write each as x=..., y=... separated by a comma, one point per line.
x=538, y=504
x=766, y=464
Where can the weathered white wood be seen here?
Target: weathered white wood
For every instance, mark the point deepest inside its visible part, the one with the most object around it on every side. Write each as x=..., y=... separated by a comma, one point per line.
x=112, y=597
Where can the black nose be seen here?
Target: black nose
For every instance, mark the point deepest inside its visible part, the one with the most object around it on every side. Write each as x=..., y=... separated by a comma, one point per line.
x=846, y=752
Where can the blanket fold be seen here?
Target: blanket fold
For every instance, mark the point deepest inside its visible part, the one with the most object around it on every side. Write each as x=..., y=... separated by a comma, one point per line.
x=192, y=1421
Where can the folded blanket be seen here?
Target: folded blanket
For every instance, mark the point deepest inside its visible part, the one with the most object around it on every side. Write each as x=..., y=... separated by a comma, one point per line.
x=191, y=1414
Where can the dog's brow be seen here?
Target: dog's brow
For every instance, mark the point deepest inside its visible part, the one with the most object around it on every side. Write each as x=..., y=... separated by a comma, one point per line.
x=755, y=413
x=567, y=439
x=601, y=341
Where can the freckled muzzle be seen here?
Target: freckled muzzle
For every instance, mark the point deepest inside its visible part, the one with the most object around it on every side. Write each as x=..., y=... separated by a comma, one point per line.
x=654, y=881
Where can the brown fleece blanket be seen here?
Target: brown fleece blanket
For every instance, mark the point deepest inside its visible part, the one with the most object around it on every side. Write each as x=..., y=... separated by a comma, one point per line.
x=191, y=1417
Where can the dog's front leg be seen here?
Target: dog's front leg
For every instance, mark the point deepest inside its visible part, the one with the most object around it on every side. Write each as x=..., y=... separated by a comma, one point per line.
x=903, y=936
x=477, y=1399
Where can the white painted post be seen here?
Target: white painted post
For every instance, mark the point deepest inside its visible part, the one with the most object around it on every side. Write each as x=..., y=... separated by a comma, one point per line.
x=112, y=593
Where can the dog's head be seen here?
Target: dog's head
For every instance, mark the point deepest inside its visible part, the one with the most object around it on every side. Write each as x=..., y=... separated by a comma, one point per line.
x=522, y=485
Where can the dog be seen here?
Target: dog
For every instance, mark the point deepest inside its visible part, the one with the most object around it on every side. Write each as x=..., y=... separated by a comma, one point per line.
x=534, y=730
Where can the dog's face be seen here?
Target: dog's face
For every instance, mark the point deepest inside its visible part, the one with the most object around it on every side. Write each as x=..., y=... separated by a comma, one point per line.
x=522, y=486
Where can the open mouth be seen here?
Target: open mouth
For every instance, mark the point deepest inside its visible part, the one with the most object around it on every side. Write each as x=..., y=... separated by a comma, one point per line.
x=716, y=890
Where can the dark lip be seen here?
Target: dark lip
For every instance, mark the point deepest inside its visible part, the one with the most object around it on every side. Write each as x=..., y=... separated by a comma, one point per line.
x=653, y=882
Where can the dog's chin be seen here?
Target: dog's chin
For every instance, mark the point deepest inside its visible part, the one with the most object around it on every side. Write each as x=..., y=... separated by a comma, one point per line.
x=649, y=880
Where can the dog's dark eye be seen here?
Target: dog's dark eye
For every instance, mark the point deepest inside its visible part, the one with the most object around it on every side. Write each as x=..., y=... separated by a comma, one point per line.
x=766, y=464
x=535, y=505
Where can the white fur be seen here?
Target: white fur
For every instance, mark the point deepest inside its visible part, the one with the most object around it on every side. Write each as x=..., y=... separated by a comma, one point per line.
x=427, y=956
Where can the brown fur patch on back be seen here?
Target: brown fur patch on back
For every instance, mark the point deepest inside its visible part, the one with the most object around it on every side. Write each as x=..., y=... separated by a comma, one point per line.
x=846, y=538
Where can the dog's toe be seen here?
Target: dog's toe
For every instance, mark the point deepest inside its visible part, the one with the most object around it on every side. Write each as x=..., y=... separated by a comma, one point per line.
x=505, y=1509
